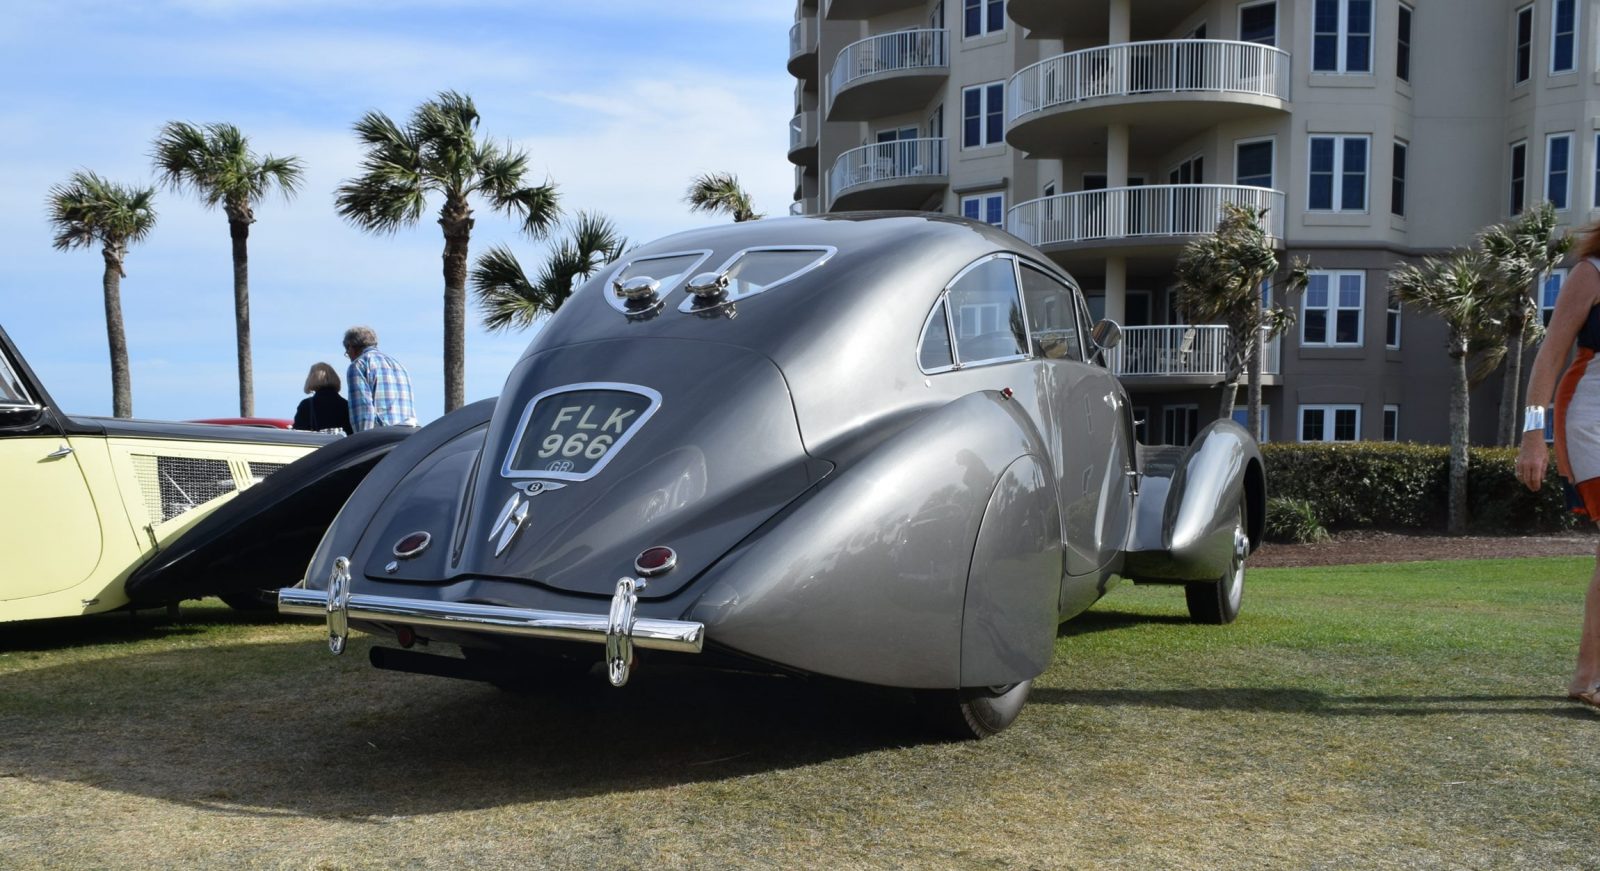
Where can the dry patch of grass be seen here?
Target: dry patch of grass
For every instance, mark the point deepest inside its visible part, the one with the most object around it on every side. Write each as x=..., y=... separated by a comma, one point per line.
x=1373, y=716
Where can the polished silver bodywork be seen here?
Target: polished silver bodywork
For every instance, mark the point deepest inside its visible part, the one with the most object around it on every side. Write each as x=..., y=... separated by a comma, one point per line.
x=835, y=506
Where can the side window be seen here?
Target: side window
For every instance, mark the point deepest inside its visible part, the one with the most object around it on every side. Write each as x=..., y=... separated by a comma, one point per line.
x=935, y=354
x=1051, y=315
x=987, y=313
x=11, y=392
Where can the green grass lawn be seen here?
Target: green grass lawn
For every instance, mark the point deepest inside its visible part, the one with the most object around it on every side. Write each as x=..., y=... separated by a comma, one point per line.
x=1381, y=716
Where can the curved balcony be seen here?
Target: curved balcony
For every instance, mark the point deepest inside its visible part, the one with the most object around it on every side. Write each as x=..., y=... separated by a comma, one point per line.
x=888, y=74
x=803, y=139
x=1140, y=218
x=1182, y=355
x=888, y=175
x=1181, y=85
x=845, y=10
x=803, y=49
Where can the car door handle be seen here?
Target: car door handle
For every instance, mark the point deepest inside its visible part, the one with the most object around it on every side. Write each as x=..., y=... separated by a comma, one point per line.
x=58, y=453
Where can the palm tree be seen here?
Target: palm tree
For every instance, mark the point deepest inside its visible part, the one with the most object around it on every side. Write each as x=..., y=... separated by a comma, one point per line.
x=1220, y=278
x=1460, y=289
x=719, y=192
x=88, y=209
x=216, y=163
x=437, y=151
x=1523, y=252
x=506, y=296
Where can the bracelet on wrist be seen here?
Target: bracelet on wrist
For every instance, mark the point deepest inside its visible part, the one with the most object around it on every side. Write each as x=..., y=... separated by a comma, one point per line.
x=1533, y=418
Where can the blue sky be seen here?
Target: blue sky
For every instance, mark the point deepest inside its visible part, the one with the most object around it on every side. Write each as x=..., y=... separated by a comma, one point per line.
x=619, y=102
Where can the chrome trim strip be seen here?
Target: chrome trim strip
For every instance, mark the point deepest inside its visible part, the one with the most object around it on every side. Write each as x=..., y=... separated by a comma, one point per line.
x=527, y=412
x=677, y=635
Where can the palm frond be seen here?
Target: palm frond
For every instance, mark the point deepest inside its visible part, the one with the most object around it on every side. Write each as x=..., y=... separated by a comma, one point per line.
x=720, y=192
x=216, y=163
x=504, y=294
x=87, y=209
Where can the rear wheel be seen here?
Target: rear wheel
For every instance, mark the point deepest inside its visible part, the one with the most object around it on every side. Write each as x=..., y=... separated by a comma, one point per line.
x=972, y=713
x=1217, y=602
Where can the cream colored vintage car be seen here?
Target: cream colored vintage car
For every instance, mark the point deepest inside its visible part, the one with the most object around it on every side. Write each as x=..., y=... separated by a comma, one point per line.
x=86, y=500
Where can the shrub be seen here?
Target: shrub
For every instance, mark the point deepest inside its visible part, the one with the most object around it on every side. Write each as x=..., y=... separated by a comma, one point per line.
x=1399, y=485
x=1294, y=521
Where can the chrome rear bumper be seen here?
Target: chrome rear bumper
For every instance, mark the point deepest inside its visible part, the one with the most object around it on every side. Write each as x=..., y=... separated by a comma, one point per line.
x=619, y=630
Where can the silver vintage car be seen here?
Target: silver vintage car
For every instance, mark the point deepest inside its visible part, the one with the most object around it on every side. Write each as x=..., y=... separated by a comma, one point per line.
x=882, y=448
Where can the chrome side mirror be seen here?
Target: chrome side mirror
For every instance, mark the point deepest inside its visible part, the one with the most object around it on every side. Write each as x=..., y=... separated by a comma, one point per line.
x=1105, y=335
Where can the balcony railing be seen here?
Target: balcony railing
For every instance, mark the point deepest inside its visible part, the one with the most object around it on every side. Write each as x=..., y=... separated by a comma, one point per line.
x=1200, y=350
x=889, y=52
x=1132, y=212
x=885, y=161
x=1165, y=67
x=797, y=38
x=799, y=135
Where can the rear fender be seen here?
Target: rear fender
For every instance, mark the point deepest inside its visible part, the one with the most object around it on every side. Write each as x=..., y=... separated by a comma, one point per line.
x=866, y=577
x=1183, y=523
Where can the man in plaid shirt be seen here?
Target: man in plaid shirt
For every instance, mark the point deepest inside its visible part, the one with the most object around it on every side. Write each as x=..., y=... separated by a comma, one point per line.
x=380, y=389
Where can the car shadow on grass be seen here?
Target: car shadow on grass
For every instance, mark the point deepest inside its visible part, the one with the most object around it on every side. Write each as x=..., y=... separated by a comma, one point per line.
x=284, y=729
x=146, y=624
x=1096, y=620
x=1290, y=700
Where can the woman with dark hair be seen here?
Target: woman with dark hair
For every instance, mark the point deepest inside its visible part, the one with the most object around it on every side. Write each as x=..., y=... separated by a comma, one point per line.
x=324, y=410
x=1577, y=430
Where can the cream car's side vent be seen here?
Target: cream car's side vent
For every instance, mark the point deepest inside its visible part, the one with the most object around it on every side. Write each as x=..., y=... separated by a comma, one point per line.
x=171, y=486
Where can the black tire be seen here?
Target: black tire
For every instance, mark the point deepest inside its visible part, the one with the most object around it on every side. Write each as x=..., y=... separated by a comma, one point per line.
x=251, y=601
x=1218, y=602
x=974, y=713
x=529, y=672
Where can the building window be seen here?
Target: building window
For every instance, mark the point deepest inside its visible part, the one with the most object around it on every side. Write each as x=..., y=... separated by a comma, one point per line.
x=1596, y=203
x=1330, y=423
x=1191, y=171
x=1397, y=194
x=1564, y=36
x=984, y=16
x=1179, y=424
x=1341, y=38
x=1519, y=176
x=1557, y=169
x=988, y=208
x=1549, y=293
x=1333, y=303
x=1524, y=56
x=1339, y=173
x=983, y=115
x=1391, y=325
x=1391, y=423
x=1402, y=55
x=1258, y=23
x=1241, y=416
x=1252, y=163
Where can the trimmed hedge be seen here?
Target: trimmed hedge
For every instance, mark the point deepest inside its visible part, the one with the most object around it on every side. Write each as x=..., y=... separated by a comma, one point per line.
x=1399, y=485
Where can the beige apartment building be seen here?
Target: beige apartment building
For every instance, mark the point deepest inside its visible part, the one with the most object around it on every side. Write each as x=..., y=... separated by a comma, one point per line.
x=1108, y=132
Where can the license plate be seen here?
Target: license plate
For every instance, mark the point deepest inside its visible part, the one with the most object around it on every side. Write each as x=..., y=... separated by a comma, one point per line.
x=570, y=433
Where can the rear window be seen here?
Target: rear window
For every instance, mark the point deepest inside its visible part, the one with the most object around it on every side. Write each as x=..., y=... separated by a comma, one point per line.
x=669, y=270
x=756, y=270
